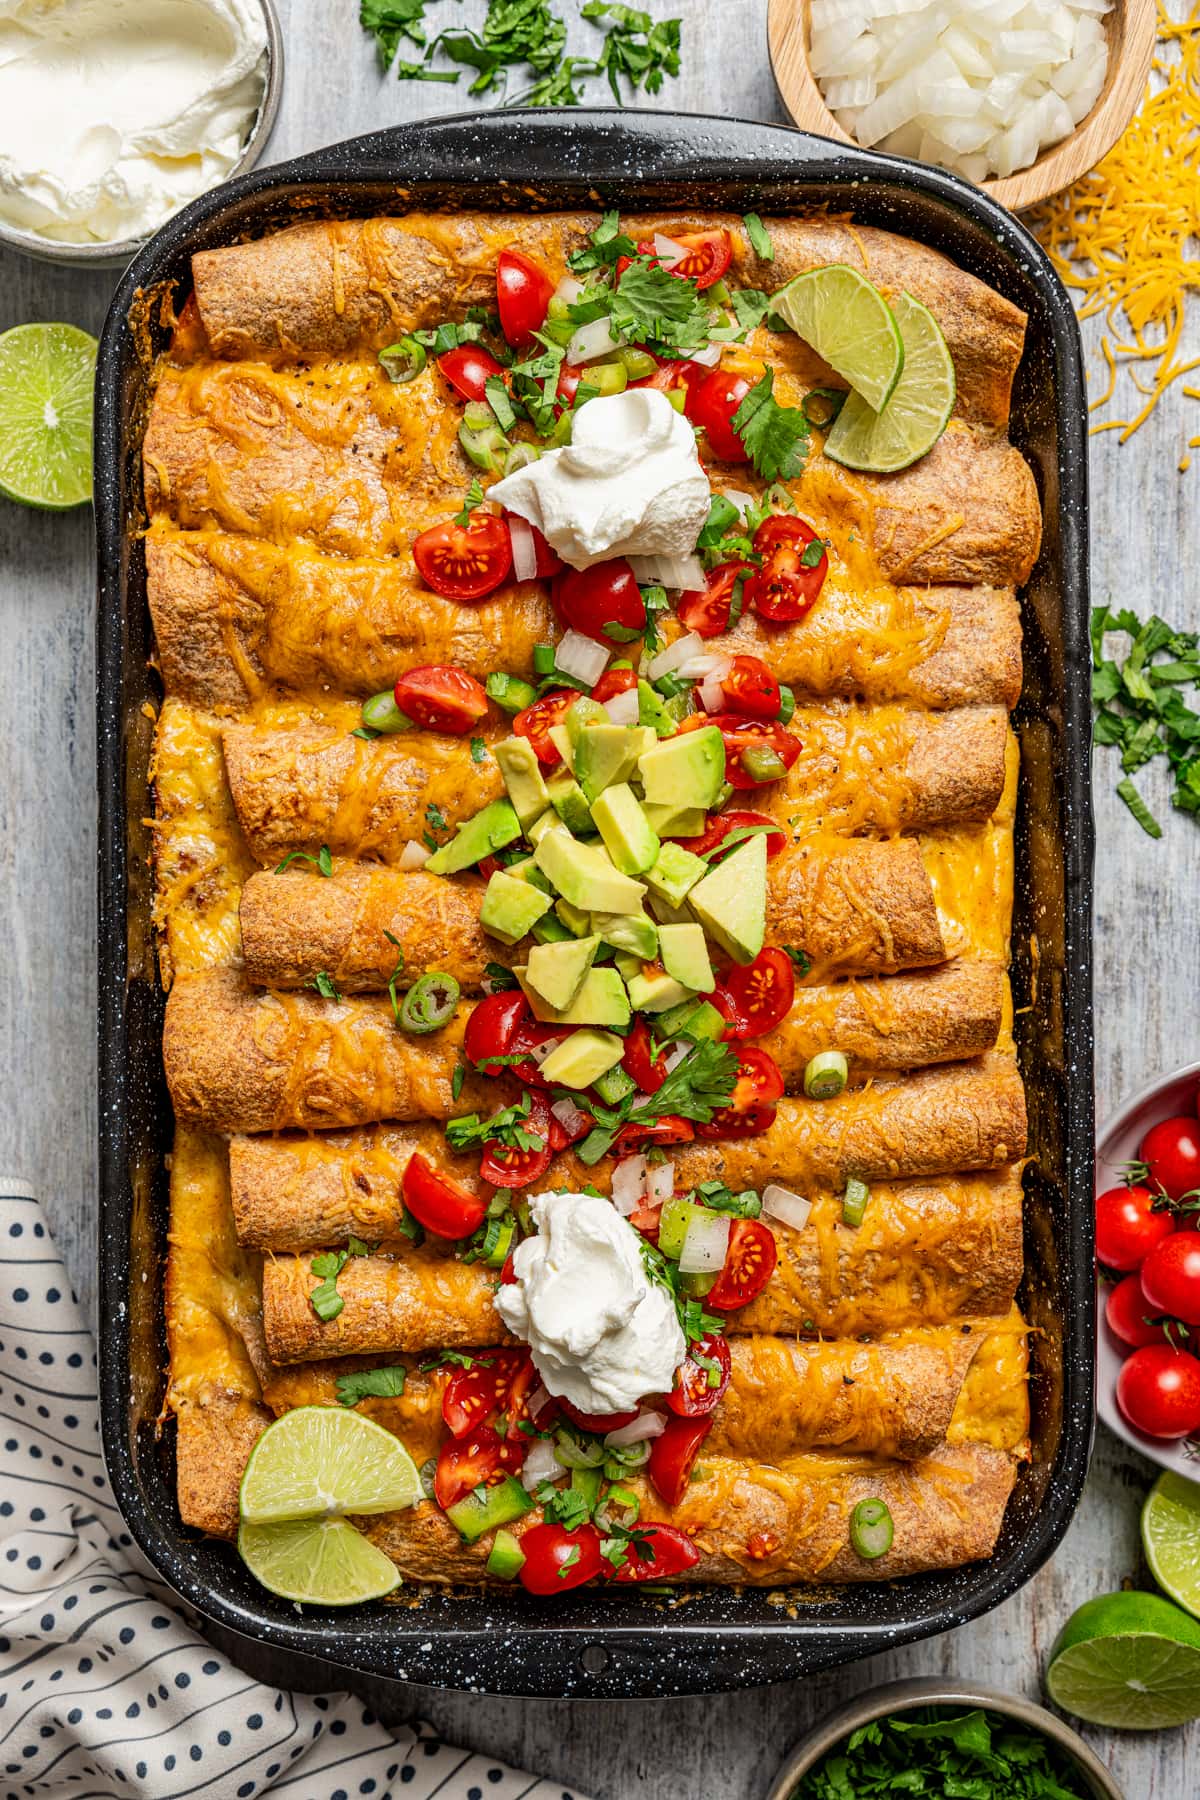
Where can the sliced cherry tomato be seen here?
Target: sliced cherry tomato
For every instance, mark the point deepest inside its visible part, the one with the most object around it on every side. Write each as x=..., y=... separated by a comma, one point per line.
x=673, y=1455
x=760, y=995
x=667, y=1130
x=639, y=1060
x=646, y=1217
x=711, y=404
x=466, y=1463
x=464, y=562
x=557, y=1559
x=523, y=291
x=598, y=1423
x=708, y=612
x=438, y=1202
x=721, y=824
x=569, y=378
x=496, y=1383
x=749, y=1264
x=657, y=1553
x=1128, y=1226
x=535, y=721
x=507, y=1166
x=750, y=689
x=1130, y=1315
x=727, y=1124
x=614, y=682
x=528, y=1036
x=757, y=1085
x=740, y=735
x=1171, y=1150
x=1171, y=1276
x=468, y=368
x=439, y=698
x=787, y=585
x=591, y=600
x=705, y=259
x=680, y=373
x=491, y=1026
x=1158, y=1390
x=694, y=1395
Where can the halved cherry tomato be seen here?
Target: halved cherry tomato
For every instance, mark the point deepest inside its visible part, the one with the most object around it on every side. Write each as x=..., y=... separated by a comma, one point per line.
x=721, y=824
x=1128, y=1226
x=438, y=1202
x=657, y=1553
x=757, y=1085
x=673, y=1455
x=491, y=1026
x=523, y=291
x=548, y=562
x=749, y=1264
x=646, y=1217
x=1158, y=1390
x=705, y=260
x=464, y=562
x=727, y=1124
x=528, y=1036
x=569, y=377
x=667, y=1130
x=476, y=1395
x=465, y=1463
x=535, y=721
x=750, y=689
x=694, y=1396
x=557, y=1559
x=468, y=368
x=1171, y=1276
x=599, y=1423
x=508, y=1166
x=639, y=1060
x=1171, y=1149
x=439, y=698
x=681, y=373
x=711, y=404
x=740, y=735
x=614, y=682
x=786, y=586
x=707, y=612
x=590, y=600
x=760, y=994
x=1130, y=1315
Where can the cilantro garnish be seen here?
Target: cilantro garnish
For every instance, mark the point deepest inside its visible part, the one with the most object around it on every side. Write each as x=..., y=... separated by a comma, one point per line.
x=563, y=1506
x=636, y=46
x=458, y=1359
x=383, y=1384
x=435, y=823
x=395, y=975
x=933, y=1750
x=327, y=1303
x=774, y=437
x=325, y=985
x=502, y=1127
x=760, y=237
x=694, y=1089
x=391, y=20
x=499, y=979
x=651, y=303
x=471, y=499
x=801, y=961
x=322, y=861
x=479, y=750
x=608, y=243
x=1139, y=706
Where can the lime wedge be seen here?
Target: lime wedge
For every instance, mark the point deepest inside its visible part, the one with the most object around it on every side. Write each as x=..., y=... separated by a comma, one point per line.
x=46, y=377
x=1128, y=1660
x=319, y=1462
x=916, y=414
x=1171, y=1538
x=325, y=1562
x=848, y=323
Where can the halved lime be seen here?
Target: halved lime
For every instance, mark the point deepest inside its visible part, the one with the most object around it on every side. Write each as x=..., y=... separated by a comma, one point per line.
x=1128, y=1660
x=324, y=1562
x=915, y=417
x=46, y=377
x=1171, y=1538
x=319, y=1462
x=848, y=323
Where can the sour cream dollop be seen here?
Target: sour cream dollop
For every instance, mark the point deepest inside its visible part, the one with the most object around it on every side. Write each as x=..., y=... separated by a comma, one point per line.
x=603, y=1336
x=115, y=113
x=628, y=484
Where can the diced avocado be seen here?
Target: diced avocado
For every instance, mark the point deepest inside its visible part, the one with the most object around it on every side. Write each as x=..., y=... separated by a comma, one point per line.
x=485, y=1508
x=506, y=1558
x=675, y=873
x=577, y=922
x=653, y=990
x=684, y=954
x=669, y=915
x=580, y=714
x=523, y=778
x=652, y=711
x=633, y=932
x=584, y=876
x=705, y=1022
x=560, y=737
x=606, y=754
x=527, y=870
x=549, y=821
x=569, y=802
x=511, y=906
x=673, y=1224
x=549, y=930
x=686, y=770
x=557, y=970
x=675, y=1021
x=627, y=964
x=491, y=829
x=614, y=1086
x=731, y=903
x=583, y=1057
x=601, y=1000
x=627, y=837
x=676, y=821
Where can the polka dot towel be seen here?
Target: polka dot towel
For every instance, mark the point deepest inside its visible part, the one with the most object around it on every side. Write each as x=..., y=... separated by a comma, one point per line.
x=106, y=1692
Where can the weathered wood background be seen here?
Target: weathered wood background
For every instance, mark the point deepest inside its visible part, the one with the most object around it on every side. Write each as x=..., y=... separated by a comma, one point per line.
x=1145, y=553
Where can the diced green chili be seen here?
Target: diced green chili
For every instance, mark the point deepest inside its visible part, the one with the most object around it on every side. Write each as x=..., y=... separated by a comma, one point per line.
x=429, y=1003
x=787, y=704
x=403, y=361
x=485, y=445
x=763, y=764
x=506, y=1558
x=380, y=713
x=871, y=1529
x=511, y=694
x=543, y=659
x=821, y=406
x=854, y=1201
x=478, y=1513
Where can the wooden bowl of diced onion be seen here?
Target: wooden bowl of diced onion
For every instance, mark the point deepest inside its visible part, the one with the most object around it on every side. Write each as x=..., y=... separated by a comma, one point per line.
x=1129, y=27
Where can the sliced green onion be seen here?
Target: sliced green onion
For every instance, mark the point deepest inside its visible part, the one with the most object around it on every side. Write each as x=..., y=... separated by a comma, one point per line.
x=484, y=445
x=787, y=704
x=380, y=713
x=498, y=400
x=403, y=361
x=575, y=1452
x=511, y=694
x=520, y=457
x=821, y=406
x=429, y=1003
x=854, y=1201
x=638, y=363
x=498, y=1241
x=762, y=763
x=826, y=1075
x=871, y=1529
x=778, y=499
x=629, y=1456
x=543, y=659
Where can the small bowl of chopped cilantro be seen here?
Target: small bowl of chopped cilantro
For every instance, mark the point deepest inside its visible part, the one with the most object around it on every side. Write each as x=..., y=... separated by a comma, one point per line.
x=935, y=1738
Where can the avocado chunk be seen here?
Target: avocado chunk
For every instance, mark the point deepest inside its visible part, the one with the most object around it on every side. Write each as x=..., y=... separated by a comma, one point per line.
x=584, y=876
x=606, y=754
x=684, y=954
x=653, y=990
x=675, y=873
x=731, y=903
x=577, y=922
x=628, y=965
x=669, y=915
x=583, y=1058
x=491, y=829
x=694, y=1019
x=632, y=932
x=652, y=711
x=564, y=743
x=601, y=1000
x=676, y=821
x=510, y=907
x=549, y=930
x=686, y=770
x=569, y=802
x=527, y=870
x=549, y=821
x=628, y=838
x=580, y=714
x=523, y=778
x=557, y=970
x=615, y=1085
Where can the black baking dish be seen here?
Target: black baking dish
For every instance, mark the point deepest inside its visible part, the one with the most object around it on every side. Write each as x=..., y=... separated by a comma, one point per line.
x=615, y=1643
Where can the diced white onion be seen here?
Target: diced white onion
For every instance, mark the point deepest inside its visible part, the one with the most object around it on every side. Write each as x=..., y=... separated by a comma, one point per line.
x=668, y=251
x=623, y=709
x=711, y=662
x=673, y=1058
x=738, y=497
x=524, y=552
x=706, y=1244
x=628, y=1184
x=709, y=357
x=675, y=655
x=711, y=694
x=593, y=341
x=647, y=1425
x=414, y=855
x=660, y=1183
x=539, y=1052
x=568, y=289
x=540, y=1398
x=581, y=657
x=540, y=1465
x=668, y=571
x=780, y=1203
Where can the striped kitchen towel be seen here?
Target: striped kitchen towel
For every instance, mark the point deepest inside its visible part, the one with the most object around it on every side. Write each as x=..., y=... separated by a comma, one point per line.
x=106, y=1691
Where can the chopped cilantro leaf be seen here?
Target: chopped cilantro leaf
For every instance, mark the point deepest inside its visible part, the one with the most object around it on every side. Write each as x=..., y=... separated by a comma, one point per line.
x=775, y=437
x=322, y=861
x=479, y=750
x=325, y=985
x=760, y=237
x=471, y=499
x=1140, y=709
x=383, y=1384
x=636, y=46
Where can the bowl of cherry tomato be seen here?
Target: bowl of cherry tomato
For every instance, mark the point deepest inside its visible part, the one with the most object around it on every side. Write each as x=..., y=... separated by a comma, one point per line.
x=1148, y=1271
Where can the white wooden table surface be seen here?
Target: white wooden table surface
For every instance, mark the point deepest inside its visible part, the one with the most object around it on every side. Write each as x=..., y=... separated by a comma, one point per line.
x=1146, y=552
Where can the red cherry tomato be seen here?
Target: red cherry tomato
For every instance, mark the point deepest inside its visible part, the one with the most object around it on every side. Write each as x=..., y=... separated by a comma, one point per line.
x=721, y=824
x=468, y=368
x=535, y=721
x=749, y=1264
x=786, y=585
x=711, y=405
x=591, y=600
x=598, y=1423
x=569, y=378
x=708, y=612
x=491, y=1026
x=465, y=1463
x=614, y=682
x=523, y=291
x=1158, y=1390
x=557, y=1559
x=760, y=994
x=750, y=689
x=657, y=1553
x=438, y=1202
x=508, y=1166
x=1127, y=1311
x=740, y=735
x=673, y=1456
x=667, y=1130
x=439, y=698
x=694, y=1395
x=1171, y=1276
x=464, y=562
x=727, y=1124
x=705, y=259
x=646, y=1217
x=548, y=561
x=681, y=373
x=497, y=1383
x=639, y=1060
x=1171, y=1150
x=1128, y=1227
x=757, y=1085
